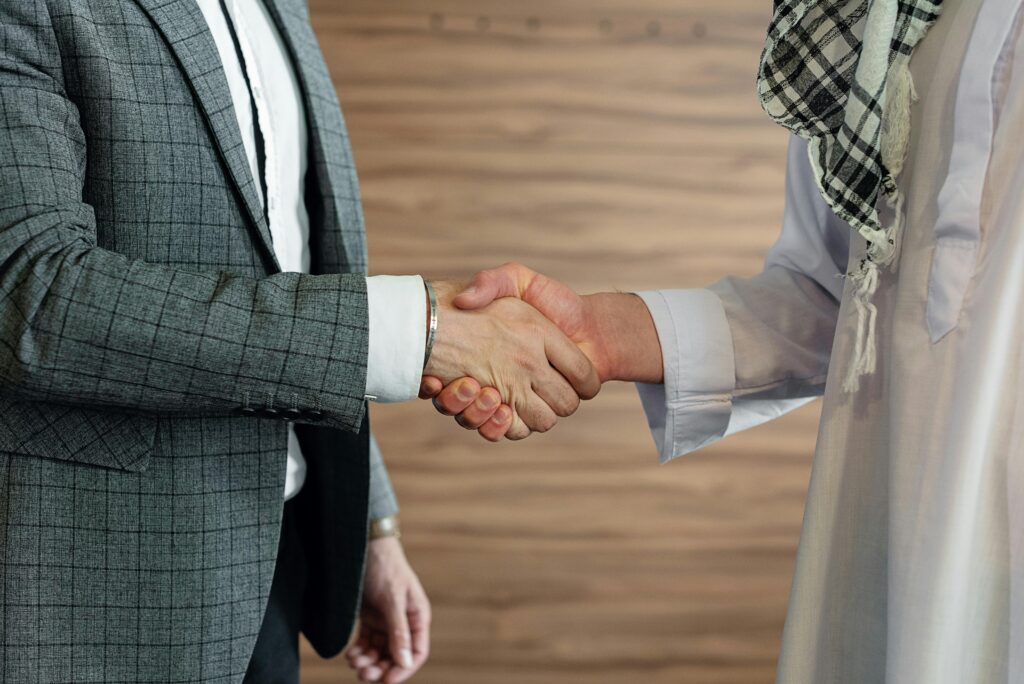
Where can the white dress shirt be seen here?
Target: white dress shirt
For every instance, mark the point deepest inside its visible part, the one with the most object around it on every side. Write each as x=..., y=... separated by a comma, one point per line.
x=911, y=560
x=266, y=77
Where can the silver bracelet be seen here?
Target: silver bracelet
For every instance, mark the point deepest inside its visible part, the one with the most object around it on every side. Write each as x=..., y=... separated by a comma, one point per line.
x=432, y=334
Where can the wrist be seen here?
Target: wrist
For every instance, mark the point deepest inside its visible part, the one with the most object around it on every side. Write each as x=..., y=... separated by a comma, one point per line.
x=449, y=346
x=626, y=340
x=431, y=332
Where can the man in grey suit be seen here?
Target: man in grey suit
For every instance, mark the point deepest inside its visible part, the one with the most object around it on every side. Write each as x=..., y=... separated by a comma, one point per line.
x=188, y=339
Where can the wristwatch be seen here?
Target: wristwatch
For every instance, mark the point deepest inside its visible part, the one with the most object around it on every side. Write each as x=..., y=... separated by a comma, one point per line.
x=385, y=527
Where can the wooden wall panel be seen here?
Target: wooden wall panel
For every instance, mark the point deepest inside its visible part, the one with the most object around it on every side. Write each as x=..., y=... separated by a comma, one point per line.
x=613, y=144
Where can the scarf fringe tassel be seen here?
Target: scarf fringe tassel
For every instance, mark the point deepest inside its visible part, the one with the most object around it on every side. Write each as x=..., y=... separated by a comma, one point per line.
x=881, y=249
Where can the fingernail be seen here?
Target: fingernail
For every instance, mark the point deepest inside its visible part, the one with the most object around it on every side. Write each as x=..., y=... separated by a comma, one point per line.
x=502, y=415
x=465, y=392
x=488, y=401
x=405, y=658
x=470, y=291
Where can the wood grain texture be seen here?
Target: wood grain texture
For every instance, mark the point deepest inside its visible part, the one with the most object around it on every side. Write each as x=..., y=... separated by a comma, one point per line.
x=615, y=144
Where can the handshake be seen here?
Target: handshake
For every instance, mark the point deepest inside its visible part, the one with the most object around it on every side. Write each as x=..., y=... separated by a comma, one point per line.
x=515, y=350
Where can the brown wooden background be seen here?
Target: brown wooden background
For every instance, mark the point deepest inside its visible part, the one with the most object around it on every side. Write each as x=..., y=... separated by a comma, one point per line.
x=613, y=144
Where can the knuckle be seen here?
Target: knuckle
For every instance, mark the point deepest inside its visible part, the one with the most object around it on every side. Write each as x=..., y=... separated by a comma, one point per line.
x=545, y=423
x=526, y=362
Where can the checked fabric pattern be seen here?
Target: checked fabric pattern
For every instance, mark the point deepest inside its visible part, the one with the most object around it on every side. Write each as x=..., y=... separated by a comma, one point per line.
x=143, y=321
x=823, y=75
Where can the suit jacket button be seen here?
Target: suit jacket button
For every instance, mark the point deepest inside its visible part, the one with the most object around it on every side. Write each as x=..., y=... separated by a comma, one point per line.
x=314, y=416
x=293, y=414
x=246, y=411
x=270, y=413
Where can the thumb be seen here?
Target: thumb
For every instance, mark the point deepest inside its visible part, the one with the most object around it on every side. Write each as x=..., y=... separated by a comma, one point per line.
x=399, y=639
x=430, y=387
x=510, y=280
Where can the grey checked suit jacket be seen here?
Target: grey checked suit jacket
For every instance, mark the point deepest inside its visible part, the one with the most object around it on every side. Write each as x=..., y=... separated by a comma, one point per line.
x=151, y=352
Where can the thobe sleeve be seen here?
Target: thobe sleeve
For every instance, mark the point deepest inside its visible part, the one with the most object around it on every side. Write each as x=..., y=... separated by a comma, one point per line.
x=746, y=350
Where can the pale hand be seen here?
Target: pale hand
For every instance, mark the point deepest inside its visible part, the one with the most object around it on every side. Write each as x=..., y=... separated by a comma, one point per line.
x=394, y=624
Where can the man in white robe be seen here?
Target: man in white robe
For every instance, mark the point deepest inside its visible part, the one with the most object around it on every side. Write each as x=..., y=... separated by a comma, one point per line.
x=911, y=560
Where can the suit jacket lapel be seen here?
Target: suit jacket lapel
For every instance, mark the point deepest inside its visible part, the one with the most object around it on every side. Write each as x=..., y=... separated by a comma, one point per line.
x=341, y=245
x=184, y=27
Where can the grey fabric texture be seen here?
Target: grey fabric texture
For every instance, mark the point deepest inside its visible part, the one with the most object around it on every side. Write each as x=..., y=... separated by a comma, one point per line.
x=150, y=349
x=383, y=502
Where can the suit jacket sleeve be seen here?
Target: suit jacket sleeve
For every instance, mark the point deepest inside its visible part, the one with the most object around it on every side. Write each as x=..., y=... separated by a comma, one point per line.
x=85, y=326
x=747, y=350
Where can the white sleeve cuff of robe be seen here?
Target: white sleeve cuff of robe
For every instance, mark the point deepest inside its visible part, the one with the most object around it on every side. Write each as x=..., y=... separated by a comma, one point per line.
x=398, y=337
x=694, y=405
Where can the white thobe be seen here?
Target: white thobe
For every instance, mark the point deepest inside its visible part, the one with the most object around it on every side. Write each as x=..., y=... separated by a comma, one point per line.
x=911, y=560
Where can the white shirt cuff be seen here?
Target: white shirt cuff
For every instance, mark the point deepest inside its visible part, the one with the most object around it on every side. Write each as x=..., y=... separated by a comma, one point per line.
x=694, y=405
x=398, y=337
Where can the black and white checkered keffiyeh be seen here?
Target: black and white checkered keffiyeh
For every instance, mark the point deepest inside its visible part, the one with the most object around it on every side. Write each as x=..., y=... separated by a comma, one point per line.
x=836, y=74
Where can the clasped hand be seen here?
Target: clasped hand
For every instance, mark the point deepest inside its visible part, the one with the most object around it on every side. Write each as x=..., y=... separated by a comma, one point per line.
x=515, y=351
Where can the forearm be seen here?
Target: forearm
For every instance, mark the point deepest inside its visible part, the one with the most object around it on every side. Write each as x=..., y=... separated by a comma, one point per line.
x=85, y=326
x=783, y=326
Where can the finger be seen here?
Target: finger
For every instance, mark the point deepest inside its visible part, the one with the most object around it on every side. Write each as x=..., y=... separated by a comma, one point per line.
x=419, y=623
x=556, y=393
x=399, y=638
x=505, y=281
x=457, y=396
x=397, y=675
x=371, y=674
x=368, y=659
x=351, y=655
x=518, y=430
x=495, y=428
x=573, y=364
x=535, y=414
x=481, y=410
x=359, y=648
x=430, y=387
